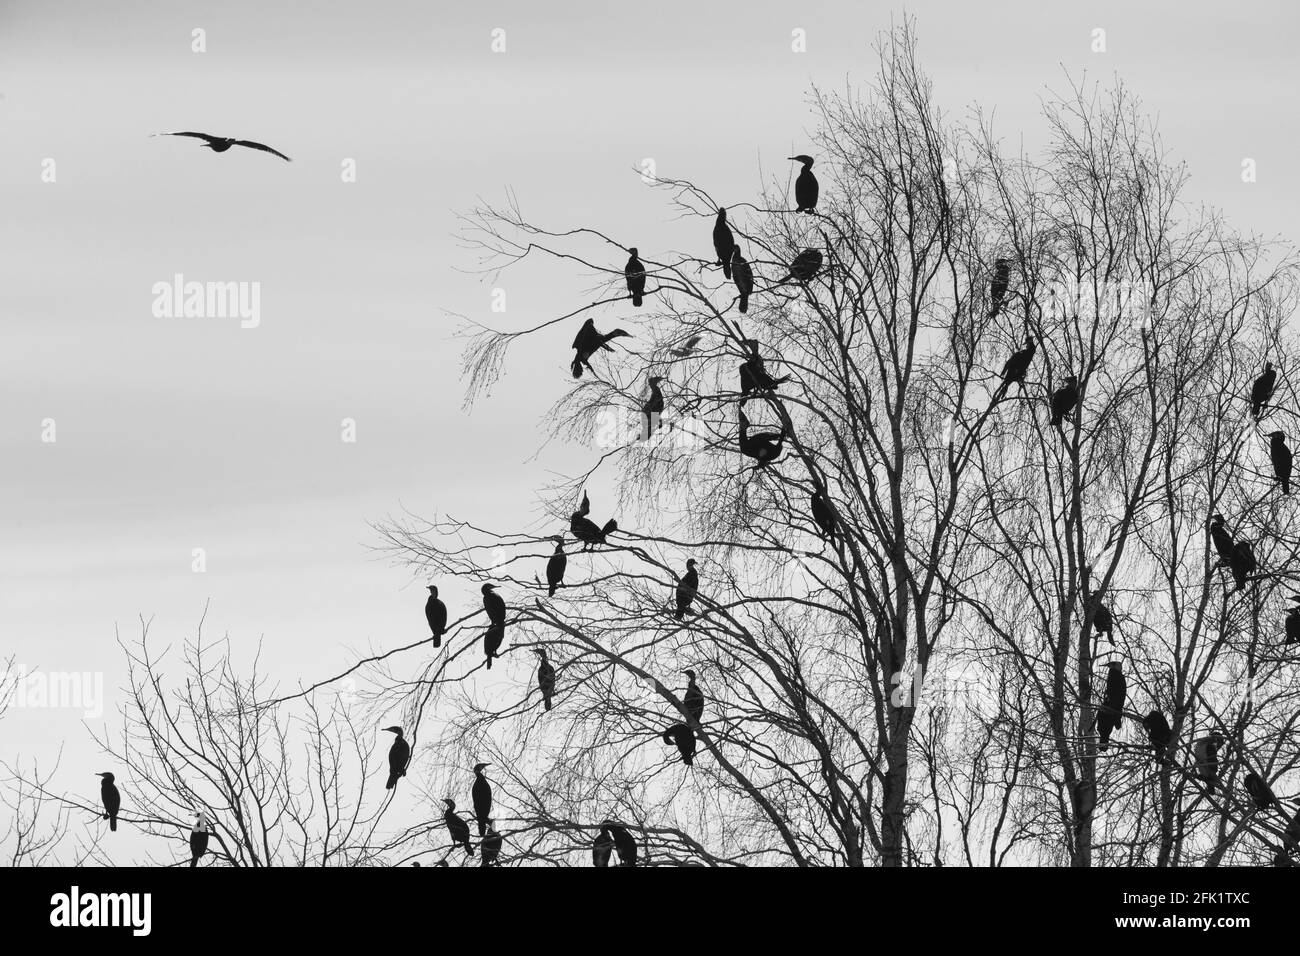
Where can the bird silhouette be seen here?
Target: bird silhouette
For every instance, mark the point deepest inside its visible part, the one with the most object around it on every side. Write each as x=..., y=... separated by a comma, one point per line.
x=1064, y=399
x=602, y=847
x=545, y=677
x=219, y=144
x=490, y=846
x=588, y=342
x=1158, y=733
x=482, y=796
x=754, y=378
x=654, y=406
x=1281, y=457
x=111, y=799
x=693, y=699
x=1111, y=714
x=763, y=447
x=805, y=265
x=1018, y=364
x=1242, y=564
x=1262, y=391
x=457, y=826
x=1221, y=539
x=806, y=186
x=1261, y=794
x=1293, y=621
x=687, y=588
x=687, y=347
x=743, y=276
x=684, y=738
x=998, y=287
x=823, y=515
x=399, y=755
x=555, y=566
x=1206, y=752
x=198, y=839
x=634, y=272
x=586, y=530
x=623, y=843
x=724, y=243
x=435, y=612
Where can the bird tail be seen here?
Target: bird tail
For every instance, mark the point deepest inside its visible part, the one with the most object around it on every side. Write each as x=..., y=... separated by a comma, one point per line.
x=112, y=824
x=636, y=299
x=489, y=660
x=551, y=591
x=547, y=702
x=482, y=828
x=610, y=526
x=726, y=270
x=576, y=367
x=194, y=861
x=437, y=641
x=744, y=304
x=392, y=781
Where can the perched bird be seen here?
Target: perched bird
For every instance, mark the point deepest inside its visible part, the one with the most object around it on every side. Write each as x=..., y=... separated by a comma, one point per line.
x=588, y=342
x=482, y=794
x=806, y=265
x=219, y=144
x=1261, y=794
x=111, y=799
x=998, y=291
x=1242, y=564
x=490, y=846
x=753, y=372
x=806, y=187
x=687, y=588
x=1064, y=399
x=763, y=447
x=684, y=738
x=1206, y=752
x=1158, y=733
x=1083, y=797
x=457, y=827
x=634, y=272
x=623, y=843
x=724, y=243
x=494, y=604
x=693, y=700
x=1015, y=368
x=555, y=565
x=1293, y=622
x=1222, y=540
x=823, y=515
x=586, y=530
x=399, y=755
x=435, y=612
x=1111, y=714
x=654, y=406
x=492, y=640
x=743, y=275
x=545, y=677
x=1102, y=622
x=1262, y=391
x=198, y=839
x=1281, y=457
x=687, y=347
x=602, y=847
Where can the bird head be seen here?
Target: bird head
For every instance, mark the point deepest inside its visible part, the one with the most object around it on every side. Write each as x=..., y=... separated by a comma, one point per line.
x=451, y=804
x=478, y=767
x=540, y=652
x=394, y=730
x=690, y=563
x=1268, y=366
x=802, y=158
x=1114, y=665
x=559, y=541
x=722, y=213
x=488, y=588
x=1277, y=435
x=108, y=777
x=632, y=251
x=433, y=589
x=1216, y=518
x=689, y=673
x=656, y=379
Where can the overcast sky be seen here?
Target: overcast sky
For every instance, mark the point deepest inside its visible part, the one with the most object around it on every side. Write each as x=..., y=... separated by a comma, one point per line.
x=176, y=434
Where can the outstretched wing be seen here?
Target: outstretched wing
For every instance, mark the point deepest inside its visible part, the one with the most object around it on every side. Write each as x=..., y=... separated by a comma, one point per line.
x=203, y=136
x=264, y=148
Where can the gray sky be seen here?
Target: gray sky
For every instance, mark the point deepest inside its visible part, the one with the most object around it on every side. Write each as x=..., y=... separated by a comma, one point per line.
x=175, y=434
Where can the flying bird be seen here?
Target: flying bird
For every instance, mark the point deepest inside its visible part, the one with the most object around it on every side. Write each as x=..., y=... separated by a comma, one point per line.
x=687, y=347
x=634, y=272
x=687, y=588
x=1262, y=391
x=457, y=827
x=1281, y=457
x=545, y=677
x=111, y=799
x=743, y=275
x=399, y=755
x=555, y=566
x=219, y=144
x=435, y=612
x=198, y=839
x=588, y=342
x=482, y=795
x=724, y=243
x=586, y=530
x=806, y=187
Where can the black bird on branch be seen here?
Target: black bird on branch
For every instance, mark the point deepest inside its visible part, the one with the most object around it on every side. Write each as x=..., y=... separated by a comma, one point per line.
x=1111, y=713
x=684, y=739
x=1281, y=457
x=602, y=847
x=653, y=408
x=1262, y=391
x=493, y=637
x=806, y=187
x=1016, y=367
x=998, y=288
x=588, y=342
x=219, y=144
x=1206, y=753
x=1222, y=540
x=457, y=827
x=805, y=265
x=743, y=275
x=634, y=272
x=399, y=755
x=586, y=530
x=495, y=606
x=198, y=839
x=1064, y=399
x=1242, y=564
x=435, y=612
x=623, y=843
x=823, y=515
x=545, y=677
x=693, y=700
x=1261, y=794
x=111, y=799
x=763, y=447
x=753, y=373
x=1158, y=733
x=482, y=795
x=490, y=846
x=687, y=588
x=555, y=566
x=724, y=243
